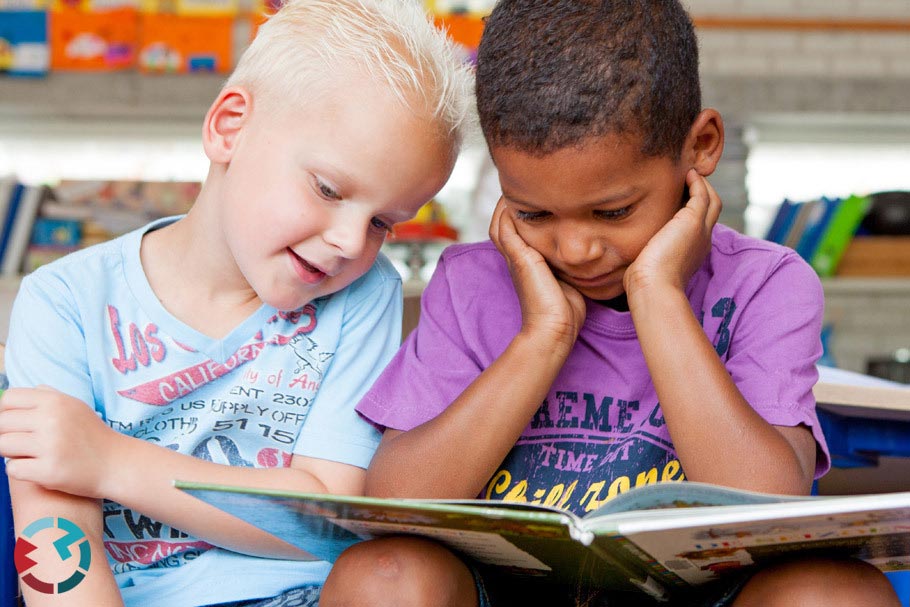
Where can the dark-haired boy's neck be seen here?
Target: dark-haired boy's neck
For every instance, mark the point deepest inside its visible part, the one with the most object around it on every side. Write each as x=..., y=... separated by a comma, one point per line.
x=620, y=303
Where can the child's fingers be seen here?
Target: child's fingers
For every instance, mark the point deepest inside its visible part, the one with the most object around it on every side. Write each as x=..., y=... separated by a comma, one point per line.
x=715, y=205
x=698, y=193
x=24, y=469
x=17, y=444
x=18, y=398
x=17, y=420
x=507, y=239
x=703, y=200
x=495, y=221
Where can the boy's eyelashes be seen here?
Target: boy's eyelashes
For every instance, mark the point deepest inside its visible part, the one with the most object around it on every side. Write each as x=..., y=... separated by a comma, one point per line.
x=325, y=190
x=531, y=216
x=611, y=214
x=381, y=225
x=614, y=213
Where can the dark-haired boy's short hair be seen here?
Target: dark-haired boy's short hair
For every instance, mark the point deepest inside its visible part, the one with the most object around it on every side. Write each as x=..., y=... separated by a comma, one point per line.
x=554, y=73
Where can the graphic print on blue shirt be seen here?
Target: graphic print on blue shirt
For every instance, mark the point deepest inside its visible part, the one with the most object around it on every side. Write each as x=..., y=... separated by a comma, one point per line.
x=246, y=409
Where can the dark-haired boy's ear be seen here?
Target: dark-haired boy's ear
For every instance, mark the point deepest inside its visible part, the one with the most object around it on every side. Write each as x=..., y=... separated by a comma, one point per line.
x=705, y=142
x=223, y=123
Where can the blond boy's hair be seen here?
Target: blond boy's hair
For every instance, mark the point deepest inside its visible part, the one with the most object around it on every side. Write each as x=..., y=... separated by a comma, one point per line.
x=311, y=42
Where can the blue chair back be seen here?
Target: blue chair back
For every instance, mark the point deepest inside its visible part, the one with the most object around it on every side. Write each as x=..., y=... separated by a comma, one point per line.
x=9, y=580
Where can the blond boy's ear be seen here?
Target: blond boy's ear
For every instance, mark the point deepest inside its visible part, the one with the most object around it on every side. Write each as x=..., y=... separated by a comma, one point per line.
x=223, y=123
x=705, y=142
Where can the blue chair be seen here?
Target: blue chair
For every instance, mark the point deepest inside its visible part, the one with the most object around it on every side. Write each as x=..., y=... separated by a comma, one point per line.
x=9, y=580
x=901, y=582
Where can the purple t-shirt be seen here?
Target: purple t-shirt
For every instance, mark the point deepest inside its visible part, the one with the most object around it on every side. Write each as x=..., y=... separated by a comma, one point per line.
x=600, y=430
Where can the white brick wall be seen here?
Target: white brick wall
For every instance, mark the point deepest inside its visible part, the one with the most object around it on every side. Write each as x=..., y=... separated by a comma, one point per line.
x=869, y=319
x=825, y=53
x=802, y=8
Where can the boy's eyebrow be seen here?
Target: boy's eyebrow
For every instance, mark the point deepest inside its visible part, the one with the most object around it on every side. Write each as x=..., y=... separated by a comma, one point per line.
x=597, y=203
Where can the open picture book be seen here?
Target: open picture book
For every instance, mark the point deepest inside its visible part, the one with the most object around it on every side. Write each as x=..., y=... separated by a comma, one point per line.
x=654, y=539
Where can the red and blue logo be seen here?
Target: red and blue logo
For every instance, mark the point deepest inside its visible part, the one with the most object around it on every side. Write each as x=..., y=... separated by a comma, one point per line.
x=72, y=542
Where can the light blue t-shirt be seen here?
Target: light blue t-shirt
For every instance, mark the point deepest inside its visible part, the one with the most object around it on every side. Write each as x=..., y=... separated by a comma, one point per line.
x=280, y=383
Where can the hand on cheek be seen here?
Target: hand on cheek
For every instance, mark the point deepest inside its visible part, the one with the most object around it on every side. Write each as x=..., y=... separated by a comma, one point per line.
x=677, y=250
x=549, y=307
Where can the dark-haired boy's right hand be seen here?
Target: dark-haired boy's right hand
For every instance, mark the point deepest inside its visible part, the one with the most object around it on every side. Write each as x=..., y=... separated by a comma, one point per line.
x=550, y=308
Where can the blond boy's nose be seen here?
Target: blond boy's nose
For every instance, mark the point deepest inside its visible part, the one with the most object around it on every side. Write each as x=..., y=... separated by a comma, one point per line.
x=348, y=237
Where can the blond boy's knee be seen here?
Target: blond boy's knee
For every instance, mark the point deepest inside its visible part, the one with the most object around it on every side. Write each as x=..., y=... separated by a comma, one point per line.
x=819, y=582
x=399, y=572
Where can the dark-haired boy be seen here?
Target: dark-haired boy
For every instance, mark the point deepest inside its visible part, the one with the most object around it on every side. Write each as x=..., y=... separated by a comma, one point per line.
x=610, y=323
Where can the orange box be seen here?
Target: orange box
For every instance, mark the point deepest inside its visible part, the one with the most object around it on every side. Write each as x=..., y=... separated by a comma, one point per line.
x=876, y=256
x=95, y=40
x=465, y=29
x=179, y=44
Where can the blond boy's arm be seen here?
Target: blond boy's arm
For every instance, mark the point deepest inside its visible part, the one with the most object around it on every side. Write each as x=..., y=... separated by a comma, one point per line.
x=31, y=503
x=143, y=480
x=98, y=462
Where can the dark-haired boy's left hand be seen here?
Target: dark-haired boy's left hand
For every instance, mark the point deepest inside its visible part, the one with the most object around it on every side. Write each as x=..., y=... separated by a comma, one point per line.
x=678, y=249
x=550, y=308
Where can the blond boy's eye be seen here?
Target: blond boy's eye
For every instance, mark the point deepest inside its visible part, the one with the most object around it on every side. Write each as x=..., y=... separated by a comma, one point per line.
x=327, y=191
x=380, y=225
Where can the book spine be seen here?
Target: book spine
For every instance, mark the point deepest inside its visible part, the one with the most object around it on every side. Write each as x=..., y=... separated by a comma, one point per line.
x=21, y=230
x=780, y=219
x=840, y=231
x=816, y=227
x=12, y=210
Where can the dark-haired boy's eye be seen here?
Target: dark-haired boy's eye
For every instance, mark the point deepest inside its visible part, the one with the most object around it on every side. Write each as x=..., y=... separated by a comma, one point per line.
x=530, y=216
x=613, y=213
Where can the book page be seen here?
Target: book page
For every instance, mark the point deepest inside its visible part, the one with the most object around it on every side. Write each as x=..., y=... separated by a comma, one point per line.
x=703, y=552
x=687, y=494
x=858, y=395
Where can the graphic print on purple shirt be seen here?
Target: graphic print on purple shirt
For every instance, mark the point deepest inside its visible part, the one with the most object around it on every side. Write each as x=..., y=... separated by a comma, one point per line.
x=579, y=462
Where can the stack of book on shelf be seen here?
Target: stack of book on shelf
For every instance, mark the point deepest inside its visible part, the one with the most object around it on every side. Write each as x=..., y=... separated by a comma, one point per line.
x=658, y=539
x=19, y=207
x=78, y=213
x=882, y=245
x=819, y=230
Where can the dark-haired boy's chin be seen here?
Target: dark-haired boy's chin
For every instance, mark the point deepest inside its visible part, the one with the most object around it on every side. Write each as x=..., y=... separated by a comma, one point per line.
x=604, y=293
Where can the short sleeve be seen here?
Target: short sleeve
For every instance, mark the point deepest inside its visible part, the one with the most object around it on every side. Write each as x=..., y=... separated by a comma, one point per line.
x=433, y=366
x=46, y=343
x=775, y=348
x=369, y=335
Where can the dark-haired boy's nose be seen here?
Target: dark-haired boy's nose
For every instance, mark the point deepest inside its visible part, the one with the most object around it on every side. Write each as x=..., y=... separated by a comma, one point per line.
x=576, y=248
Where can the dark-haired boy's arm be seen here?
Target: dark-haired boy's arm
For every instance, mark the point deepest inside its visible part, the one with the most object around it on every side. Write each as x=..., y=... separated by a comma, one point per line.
x=718, y=435
x=451, y=456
